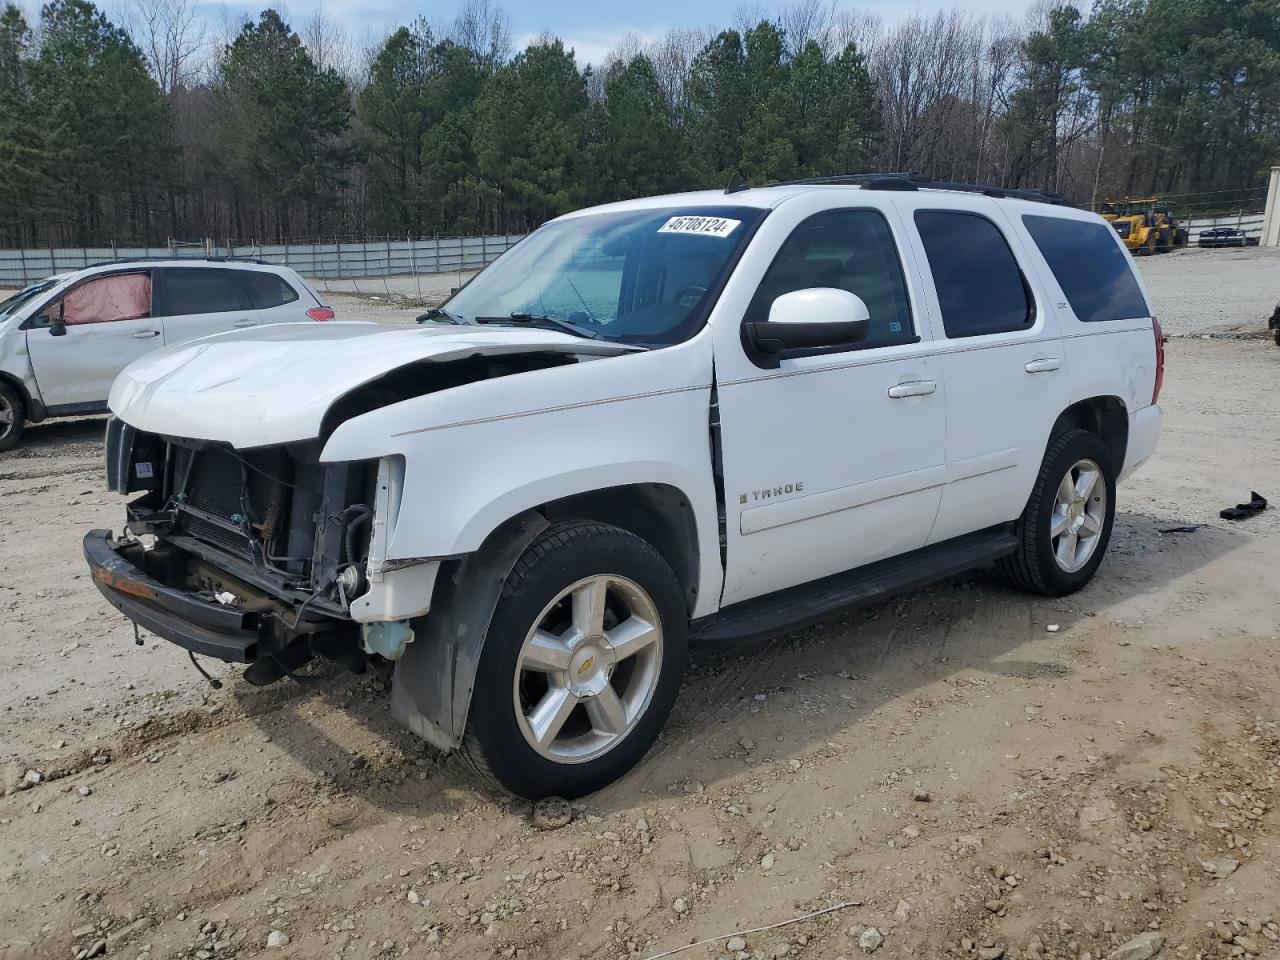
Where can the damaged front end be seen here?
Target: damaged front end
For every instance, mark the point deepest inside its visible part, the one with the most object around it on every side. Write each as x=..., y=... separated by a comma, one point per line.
x=265, y=556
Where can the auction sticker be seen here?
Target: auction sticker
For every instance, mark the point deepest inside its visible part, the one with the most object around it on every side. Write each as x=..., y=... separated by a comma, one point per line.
x=701, y=226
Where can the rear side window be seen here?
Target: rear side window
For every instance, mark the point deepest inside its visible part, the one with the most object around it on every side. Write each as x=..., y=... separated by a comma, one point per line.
x=850, y=250
x=1090, y=268
x=980, y=288
x=200, y=290
x=266, y=290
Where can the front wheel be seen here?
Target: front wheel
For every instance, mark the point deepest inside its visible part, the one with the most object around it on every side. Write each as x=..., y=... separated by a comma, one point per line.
x=1064, y=530
x=582, y=663
x=13, y=417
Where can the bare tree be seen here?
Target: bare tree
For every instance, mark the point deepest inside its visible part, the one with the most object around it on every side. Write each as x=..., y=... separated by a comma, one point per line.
x=805, y=20
x=332, y=48
x=483, y=28
x=172, y=37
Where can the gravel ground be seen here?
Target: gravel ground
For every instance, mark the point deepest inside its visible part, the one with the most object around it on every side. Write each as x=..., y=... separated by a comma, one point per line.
x=1229, y=291
x=966, y=770
x=971, y=772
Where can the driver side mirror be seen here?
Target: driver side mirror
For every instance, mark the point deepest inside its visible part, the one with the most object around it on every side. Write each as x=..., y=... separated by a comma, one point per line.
x=58, y=324
x=805, y=319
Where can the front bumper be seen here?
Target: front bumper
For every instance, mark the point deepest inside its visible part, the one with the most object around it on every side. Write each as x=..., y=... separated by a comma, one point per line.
x=179, y=616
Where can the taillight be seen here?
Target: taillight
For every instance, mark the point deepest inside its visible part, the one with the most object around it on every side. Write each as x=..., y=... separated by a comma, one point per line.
x=1159, y=334
x=321, y=313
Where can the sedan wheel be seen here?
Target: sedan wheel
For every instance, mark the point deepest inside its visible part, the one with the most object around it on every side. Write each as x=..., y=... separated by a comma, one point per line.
x=13, y=417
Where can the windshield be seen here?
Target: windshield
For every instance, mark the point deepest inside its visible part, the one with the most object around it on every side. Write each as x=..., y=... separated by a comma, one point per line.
x=12, y=304
x=644, y=277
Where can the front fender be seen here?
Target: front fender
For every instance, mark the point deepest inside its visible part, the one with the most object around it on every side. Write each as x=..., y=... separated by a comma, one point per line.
x=477, y=455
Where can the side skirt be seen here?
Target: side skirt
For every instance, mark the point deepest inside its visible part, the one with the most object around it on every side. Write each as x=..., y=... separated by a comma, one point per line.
x=809, y=603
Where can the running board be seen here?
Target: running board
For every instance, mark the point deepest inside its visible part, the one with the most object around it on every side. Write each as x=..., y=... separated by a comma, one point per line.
x=808, y=603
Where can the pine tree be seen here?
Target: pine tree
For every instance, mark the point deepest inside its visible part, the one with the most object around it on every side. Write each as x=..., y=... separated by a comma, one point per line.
x=283, y=120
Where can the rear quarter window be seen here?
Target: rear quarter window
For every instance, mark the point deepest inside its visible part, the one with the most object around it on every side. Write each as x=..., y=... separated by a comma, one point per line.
x=266, y=290
x=1093, y=272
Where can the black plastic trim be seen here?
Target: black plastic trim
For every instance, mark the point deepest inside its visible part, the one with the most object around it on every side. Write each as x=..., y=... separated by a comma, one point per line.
x=206, y=628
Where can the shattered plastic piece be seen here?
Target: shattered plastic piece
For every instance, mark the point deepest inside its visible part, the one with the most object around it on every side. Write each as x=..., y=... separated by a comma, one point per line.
x=1242, y=511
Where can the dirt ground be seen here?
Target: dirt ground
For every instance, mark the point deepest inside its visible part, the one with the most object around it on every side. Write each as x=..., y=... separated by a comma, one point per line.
x=969, y=771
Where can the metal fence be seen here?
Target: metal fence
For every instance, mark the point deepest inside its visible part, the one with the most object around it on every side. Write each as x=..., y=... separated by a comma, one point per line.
x=1250, y=223
x=337, y=260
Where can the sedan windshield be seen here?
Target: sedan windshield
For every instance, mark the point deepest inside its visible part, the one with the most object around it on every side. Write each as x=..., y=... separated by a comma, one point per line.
x=13, y=303
x=645, y=277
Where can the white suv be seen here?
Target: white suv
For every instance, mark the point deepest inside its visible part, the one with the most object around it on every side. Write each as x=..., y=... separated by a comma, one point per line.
x=692, y=417
x=64, y=340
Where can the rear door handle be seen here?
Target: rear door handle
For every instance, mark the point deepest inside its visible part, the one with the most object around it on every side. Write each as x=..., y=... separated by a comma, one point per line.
x=146, y=334
x=913, y=388
x=245, y=323
x=1044, y=365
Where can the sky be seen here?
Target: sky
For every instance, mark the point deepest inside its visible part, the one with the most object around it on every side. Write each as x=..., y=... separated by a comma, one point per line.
x=591, y=27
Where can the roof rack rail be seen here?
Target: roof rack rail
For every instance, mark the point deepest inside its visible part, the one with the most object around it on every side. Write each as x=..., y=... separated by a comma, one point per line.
x=179, y=259
x=913, y=181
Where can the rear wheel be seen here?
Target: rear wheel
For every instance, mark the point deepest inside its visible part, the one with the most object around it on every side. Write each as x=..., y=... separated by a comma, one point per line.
x=1064, y=531
x=581, y=665
x=13, y=417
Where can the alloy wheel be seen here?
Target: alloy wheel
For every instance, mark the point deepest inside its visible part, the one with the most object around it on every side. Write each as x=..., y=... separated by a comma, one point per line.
x=1079, y=515
x=588, y=669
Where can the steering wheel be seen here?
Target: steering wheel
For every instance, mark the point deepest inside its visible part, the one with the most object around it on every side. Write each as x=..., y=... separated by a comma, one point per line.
x=688, y=296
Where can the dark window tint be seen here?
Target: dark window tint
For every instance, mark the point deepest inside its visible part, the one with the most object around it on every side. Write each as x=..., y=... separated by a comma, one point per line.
x=266, y=290
x=980, y=288
x=850, y=250
x=200, y=290
x=1090, y=267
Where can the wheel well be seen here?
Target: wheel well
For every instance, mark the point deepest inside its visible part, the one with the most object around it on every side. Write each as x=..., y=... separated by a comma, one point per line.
x=31, y=409
x=1105, y=416
x=655, y=512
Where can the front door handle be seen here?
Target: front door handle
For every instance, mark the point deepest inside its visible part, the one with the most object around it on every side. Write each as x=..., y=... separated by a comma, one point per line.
x=244, y=323
x=1044, y=365
x=913, y=388
x=146, y=334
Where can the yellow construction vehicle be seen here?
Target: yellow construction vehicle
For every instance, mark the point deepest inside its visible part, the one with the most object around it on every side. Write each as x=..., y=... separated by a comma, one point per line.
x=1145, y=225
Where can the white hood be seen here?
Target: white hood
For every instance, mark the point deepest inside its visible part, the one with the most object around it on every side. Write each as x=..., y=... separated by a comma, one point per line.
x=273, y=384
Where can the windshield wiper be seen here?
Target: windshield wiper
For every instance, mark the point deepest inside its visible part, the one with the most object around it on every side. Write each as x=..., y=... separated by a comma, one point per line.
x=438, y=313
x=534, y=319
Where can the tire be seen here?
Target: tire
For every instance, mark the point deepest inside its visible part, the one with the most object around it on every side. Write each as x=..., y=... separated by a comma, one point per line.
x=608, y=705
x=1036, y=565
x=13, y=417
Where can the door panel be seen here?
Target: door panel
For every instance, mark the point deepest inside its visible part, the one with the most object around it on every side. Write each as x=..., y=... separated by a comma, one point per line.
x=104, y=334
x=825, y=471
x=1003, y=362
x=199, y=301
x=834, y=460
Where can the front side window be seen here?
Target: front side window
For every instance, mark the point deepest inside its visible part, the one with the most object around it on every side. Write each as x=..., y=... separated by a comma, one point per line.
x=191, y=290
x=266, y=290
x=122, y=296
x=849, y=250
x=647, y=277
x=980, y=288
x=1090, y=267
